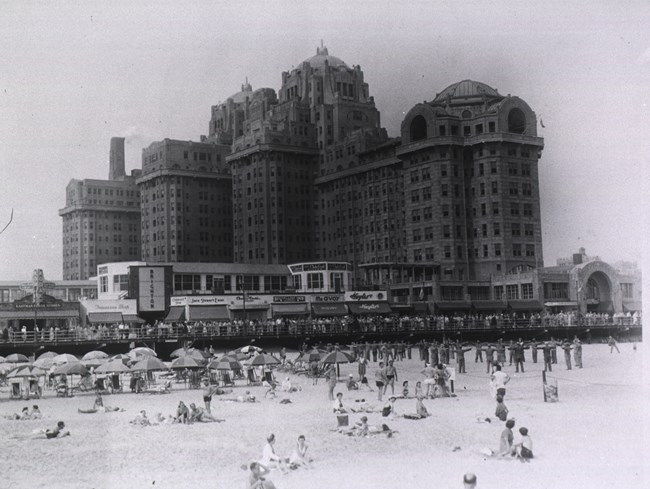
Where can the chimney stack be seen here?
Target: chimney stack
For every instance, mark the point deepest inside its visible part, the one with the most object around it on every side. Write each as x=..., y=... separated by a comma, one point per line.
x=116, y=161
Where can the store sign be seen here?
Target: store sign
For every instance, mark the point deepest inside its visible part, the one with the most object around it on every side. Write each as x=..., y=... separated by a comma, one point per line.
x=342, y=267
x=295, y=268
x=103, y=270
x=152, y=288
x=328, y=298
x=31, y=305
x=365, y=296
x=279, y=299
x=124, y=306
x=314, y=267
x=206, y=301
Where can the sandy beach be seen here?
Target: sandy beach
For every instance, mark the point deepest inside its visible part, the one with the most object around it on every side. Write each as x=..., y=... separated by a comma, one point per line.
x=593, y=437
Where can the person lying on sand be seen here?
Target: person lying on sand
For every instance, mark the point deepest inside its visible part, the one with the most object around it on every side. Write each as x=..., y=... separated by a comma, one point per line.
x=141, y=419
x=363, y=429
x=247, y=397
x=24, y=414
x=98, y=406
x=200, y=415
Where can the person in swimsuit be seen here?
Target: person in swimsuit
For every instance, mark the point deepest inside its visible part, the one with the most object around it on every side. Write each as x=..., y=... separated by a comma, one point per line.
x=208, y=392
x=380, y=380
x=58, y=431
x=391, y=377
x=256, y=480
x=298, y=457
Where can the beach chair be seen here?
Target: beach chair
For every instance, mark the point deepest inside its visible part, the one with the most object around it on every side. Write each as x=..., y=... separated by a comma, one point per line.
x=35, y=389
x=62, y=390
x=342, y=420
x=252, y=377
x=226, y=379
x=268, y=377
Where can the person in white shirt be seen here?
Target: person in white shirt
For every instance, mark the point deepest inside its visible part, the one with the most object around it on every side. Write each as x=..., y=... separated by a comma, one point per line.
x=270, y=459
x=499, y=380
x=337, y=405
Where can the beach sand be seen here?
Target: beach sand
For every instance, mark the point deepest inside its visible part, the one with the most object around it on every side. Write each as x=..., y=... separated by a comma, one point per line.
x=593, y=437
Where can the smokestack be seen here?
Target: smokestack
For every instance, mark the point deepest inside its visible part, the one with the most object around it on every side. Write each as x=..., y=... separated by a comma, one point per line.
x=116, y=170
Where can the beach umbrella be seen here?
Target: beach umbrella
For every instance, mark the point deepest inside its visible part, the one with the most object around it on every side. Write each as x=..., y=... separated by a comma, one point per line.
x=311, y=356
x=5, y=367
x=44, y=363
x=47, y=354
x=2, y=359
x=238, y=355
x=187, y=362
x=337, y=356
x=95, y=355
x=71, y=368
x=25, y=371
x=113, y=366
x=264, y=359
x=64, y=358
x=93, y=363
x=250, y=349
x=226, y=363
x=190, y=352
x=122, y=357
x=16, y=358
x=143, y=350
x=149, y=364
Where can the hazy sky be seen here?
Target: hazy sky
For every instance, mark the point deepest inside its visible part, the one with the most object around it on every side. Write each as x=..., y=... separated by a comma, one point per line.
x=73, y=74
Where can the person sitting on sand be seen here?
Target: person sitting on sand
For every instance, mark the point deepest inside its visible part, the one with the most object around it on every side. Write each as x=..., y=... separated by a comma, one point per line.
x=421, y=411
x=182, y=413
x=24, y=414
x=36, y=412
x=287, y=386
x=359, y=429
x=269, y=458
x=298, y=457
x=388, y=410
x=501, y=410
x=57, y=432
x=337, y=405
x=271, y=392
x=351, y=384
x=506, y=447
x=405, y=389
x=418, y=389
x=256, y=479
x=200, y=415
x=524, y=448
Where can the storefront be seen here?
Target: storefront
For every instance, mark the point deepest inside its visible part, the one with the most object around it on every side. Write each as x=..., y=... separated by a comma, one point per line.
x=107, y=312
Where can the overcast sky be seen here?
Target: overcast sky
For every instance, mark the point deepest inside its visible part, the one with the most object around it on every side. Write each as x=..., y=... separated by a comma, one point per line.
x=73, y=75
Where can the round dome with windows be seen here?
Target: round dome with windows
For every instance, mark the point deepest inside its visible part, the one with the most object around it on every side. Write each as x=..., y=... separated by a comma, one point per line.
x=322, y=57
x=465, y=90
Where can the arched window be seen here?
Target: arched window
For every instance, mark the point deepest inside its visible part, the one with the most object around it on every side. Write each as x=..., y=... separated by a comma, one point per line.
x=418, y=128
x=466, y=114
x=516, y=121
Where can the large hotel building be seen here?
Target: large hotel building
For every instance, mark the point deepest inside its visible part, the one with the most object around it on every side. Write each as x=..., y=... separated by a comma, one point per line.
x=448, y=213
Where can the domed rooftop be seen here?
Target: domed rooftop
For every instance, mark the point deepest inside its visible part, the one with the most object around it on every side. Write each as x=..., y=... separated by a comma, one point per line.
x=246, y=91
x=466, y=89
x=318, y=61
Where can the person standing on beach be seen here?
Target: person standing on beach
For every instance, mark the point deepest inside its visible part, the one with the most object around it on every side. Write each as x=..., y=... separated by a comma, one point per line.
x=517, y=350
x=533, y=347
x=546, y=349
x=362, y=367
x=208, y=392
x=501, y=352
x=380, y=380
x=429, y=379
x=612, y=344
x=566, y=346
x=391, y=377
x=553, y=346
x=577, y=352
x=460, y=357
x=330, y=374
x=479, y=353
x=489, y=357
x=499, y=380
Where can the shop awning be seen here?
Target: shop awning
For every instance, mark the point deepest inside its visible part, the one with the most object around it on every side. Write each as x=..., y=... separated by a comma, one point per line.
x=451, y=306
x=41, y=314
x=489, y=305
x=176, y=314
x=632, y=306
x=561, y=304
x=240, y=307
x=525, y=305
x=330, y=309
x=369, y=308
x=208, y=313
x=105, y=317
x=290, y=309
x=132, y=318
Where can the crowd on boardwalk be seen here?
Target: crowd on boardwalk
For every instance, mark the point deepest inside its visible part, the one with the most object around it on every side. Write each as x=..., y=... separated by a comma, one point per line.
x=315, y=326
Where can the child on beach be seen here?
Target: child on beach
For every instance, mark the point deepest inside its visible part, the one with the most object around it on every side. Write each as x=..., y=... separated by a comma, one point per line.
x=501, y=410
x=418, y=389
x=524, y=448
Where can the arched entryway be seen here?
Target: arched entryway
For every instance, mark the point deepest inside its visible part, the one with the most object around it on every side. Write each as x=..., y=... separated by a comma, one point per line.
x=598, y=293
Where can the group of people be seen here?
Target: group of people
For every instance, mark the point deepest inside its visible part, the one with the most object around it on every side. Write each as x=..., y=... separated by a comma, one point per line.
x=26, y=414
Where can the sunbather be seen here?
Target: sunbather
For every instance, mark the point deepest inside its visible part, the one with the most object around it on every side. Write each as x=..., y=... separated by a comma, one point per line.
x=141, y=419
x=421, y=411
x=256, y=479
x=182, y=413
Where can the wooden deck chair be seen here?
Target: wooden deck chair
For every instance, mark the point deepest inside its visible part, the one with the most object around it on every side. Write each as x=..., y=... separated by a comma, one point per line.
x=252, y=377
x=268, y=376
